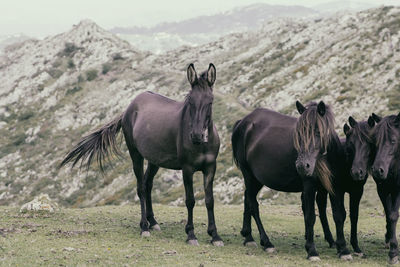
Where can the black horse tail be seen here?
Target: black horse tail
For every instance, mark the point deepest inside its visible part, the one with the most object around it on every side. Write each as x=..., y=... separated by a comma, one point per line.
x=234, y=141
x=101, y=144
x=239, y=140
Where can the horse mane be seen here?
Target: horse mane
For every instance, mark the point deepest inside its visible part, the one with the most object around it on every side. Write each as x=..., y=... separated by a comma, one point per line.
x=362, y=132
x=304, y=136
x=382, y=129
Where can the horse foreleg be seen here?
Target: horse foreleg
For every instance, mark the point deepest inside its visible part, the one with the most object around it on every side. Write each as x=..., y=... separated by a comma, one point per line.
x=190, y=202
x=355, y=198
x=322, y=197
x=339, y=216
x=387, y=206
x=393, y=218
x=151, y=171
x=209, y=173
x=308, y=203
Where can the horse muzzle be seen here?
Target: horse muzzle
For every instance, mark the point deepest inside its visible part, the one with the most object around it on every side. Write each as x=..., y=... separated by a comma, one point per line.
x=198, y=139
x=358, y=174
x=379, y=173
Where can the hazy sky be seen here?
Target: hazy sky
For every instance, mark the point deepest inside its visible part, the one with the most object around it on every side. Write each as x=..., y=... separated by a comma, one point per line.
x=44, y=17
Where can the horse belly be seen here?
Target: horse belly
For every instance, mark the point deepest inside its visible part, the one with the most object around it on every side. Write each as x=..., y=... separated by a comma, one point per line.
x=156, y=146
x=274, y=167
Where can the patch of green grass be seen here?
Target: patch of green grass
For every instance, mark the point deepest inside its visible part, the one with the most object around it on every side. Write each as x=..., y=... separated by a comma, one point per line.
x=109, y=235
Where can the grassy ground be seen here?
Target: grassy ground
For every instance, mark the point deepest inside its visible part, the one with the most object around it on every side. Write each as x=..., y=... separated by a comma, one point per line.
x=109, y=235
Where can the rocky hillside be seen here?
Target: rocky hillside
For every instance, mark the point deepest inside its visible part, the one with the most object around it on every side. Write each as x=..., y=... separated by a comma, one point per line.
x=54, y=91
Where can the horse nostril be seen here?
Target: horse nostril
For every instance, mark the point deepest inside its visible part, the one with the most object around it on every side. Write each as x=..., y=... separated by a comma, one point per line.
x=360, y=172
x=381, y=171
x=307, y=165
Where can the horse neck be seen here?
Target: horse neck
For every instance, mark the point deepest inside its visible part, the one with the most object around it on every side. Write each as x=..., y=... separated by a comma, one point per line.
x=336, y=155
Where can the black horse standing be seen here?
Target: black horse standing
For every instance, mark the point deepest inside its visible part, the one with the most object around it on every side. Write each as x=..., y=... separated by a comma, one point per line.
x=358, y=154
x=168, y=134
x=290, y=155
x=386, y=173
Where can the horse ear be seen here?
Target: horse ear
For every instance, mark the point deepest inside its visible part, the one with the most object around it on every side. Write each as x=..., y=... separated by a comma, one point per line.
x=371, y=122
x=346, y=129
x=376, y=118
x=191, y=74
x=300, y=107
x=352, y=122
x=321, y=108
x=397, y=120
x=211, y=74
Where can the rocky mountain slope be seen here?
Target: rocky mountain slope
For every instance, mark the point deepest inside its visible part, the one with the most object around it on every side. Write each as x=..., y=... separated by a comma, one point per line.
x=54, y=91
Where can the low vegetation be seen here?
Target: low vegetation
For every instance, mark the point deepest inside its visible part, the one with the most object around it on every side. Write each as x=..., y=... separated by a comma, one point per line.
x=109, y=235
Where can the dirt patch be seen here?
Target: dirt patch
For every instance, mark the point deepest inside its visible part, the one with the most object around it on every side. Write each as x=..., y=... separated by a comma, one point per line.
x=6, y=231
x=71, y=233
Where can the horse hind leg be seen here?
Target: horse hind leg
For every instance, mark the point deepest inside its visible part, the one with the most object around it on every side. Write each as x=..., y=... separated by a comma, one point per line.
x=246, y=229
x=252, y=189
x=137, y=161
x=151, y=171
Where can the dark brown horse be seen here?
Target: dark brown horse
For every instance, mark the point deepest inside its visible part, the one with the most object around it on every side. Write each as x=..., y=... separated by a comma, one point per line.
x=386, y=173
x=287, y=154
x=359, y=154
x=168, y=134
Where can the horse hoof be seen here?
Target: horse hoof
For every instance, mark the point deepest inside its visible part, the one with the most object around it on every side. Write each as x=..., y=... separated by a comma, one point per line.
x=270, y=250
x=155, y=227
x=347, y=257
x=394, y=260
x=193, y=242
x=314, y=258
x=359, y=254
x=219, y=243
x=251, y=244
x=145, y=234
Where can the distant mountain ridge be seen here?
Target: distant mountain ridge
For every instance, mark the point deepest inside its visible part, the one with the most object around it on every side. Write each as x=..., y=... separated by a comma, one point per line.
x=238, y=19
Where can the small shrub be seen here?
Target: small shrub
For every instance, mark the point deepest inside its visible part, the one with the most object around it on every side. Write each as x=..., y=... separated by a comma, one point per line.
x=26, y=115
x=19, y=139
x=73, y=90
x=55, y=73
x=70, y=49
x=117, y=56
x=57, y=63
x=91, y=75
x=70, y=64
x=106, y=68
x=80, y=78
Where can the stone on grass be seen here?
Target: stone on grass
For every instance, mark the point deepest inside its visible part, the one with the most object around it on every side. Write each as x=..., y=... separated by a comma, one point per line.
x=40, y=203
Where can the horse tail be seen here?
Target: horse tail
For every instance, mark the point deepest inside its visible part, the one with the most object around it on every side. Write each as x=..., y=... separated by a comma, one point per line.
x=100, y=144
x=234, y=140
x=239, y=139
